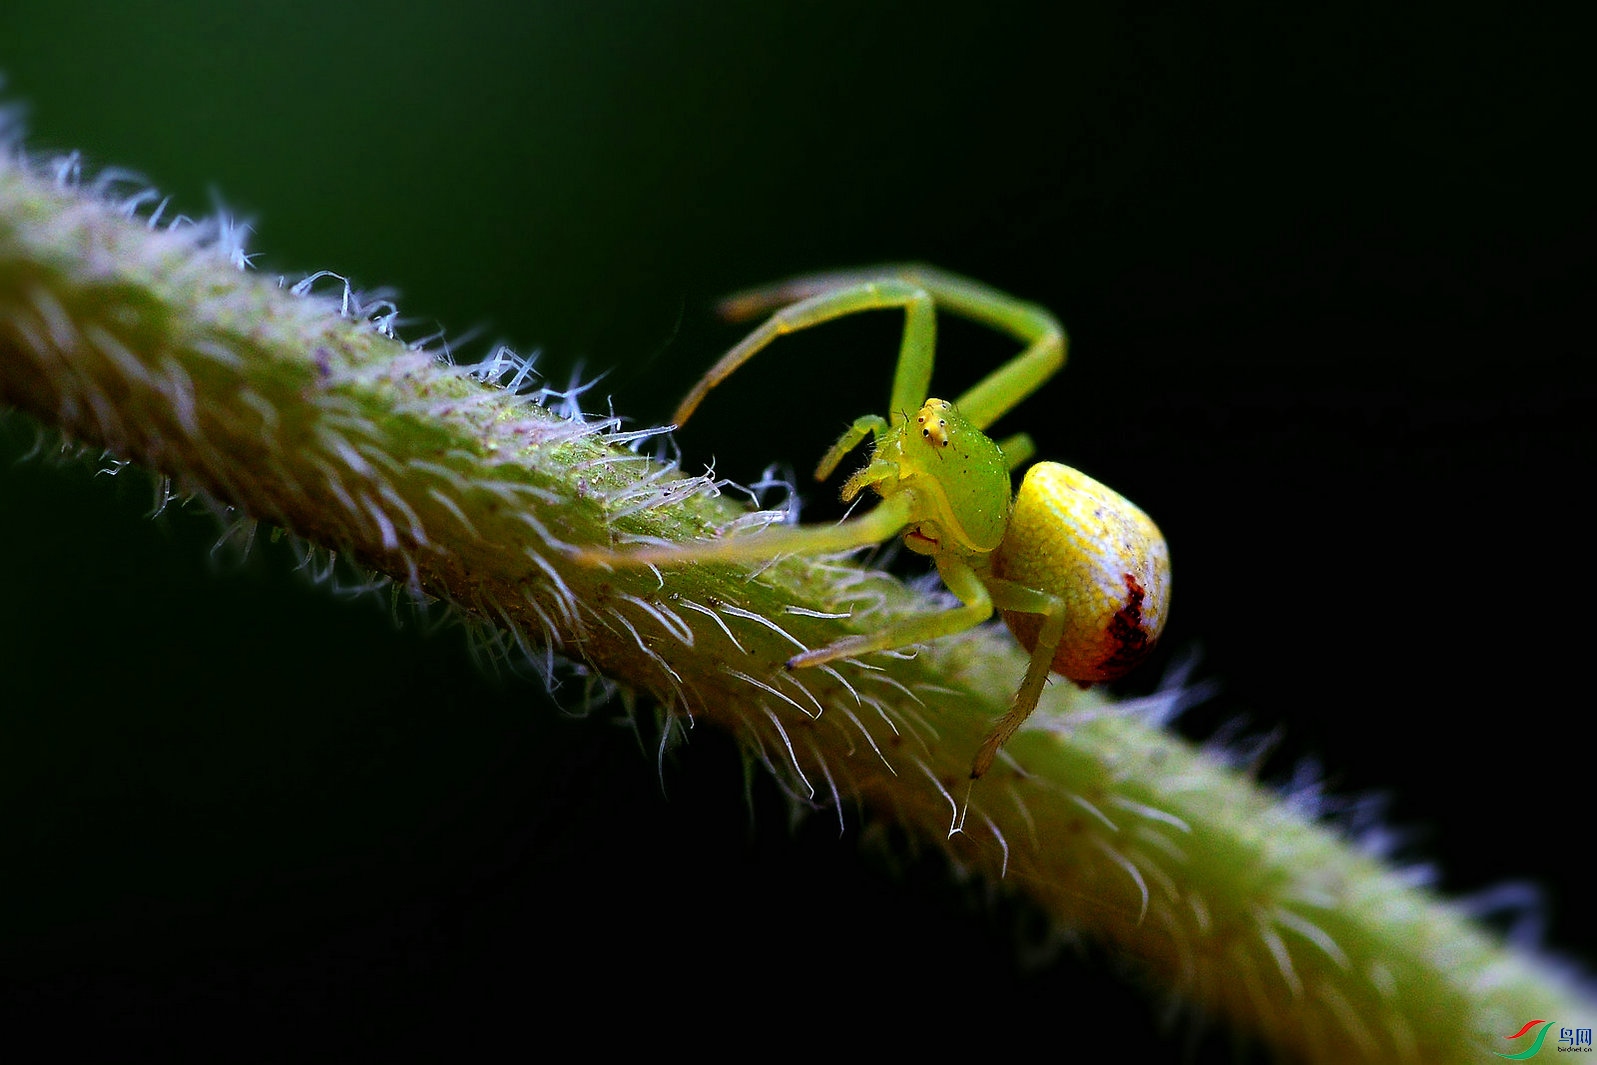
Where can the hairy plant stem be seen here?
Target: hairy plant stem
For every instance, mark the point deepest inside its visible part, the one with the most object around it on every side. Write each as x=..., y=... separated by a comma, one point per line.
x=308, y=415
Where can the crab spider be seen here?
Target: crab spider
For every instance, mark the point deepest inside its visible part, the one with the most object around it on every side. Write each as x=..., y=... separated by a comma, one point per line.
x=1079, y=574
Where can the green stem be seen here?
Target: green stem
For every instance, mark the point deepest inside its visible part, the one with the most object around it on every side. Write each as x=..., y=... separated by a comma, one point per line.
x=155, y=346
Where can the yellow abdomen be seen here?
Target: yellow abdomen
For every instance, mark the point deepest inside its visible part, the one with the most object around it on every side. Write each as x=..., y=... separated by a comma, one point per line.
x=1079, y=540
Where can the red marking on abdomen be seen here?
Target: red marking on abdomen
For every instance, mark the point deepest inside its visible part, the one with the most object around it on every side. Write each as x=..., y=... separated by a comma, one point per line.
x=1130, y=639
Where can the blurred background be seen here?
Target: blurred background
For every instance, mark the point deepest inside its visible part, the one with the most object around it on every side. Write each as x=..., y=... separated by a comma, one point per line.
x=1327, y=277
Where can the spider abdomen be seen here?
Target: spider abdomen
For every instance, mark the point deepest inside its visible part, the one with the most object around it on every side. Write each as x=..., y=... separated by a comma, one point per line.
x=1079, y=540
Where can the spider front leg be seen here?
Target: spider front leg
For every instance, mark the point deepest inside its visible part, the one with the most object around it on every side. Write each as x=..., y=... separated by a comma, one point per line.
x=913, y=375
x=986, y=402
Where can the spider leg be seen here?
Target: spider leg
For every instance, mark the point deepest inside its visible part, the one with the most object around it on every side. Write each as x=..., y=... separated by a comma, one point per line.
x=994, y=395
x=1017, y=450
x=1017, y=597
x=868, y=425
x=886, y=520
x=975, y=607
x=914, y=373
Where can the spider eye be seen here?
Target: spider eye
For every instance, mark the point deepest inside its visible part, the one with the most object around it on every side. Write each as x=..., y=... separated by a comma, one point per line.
x=933, y=428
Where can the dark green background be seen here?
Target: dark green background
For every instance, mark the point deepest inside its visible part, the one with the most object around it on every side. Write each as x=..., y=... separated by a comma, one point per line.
x=1328, y=278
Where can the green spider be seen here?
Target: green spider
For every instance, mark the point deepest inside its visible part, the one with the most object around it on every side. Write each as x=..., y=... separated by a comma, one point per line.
x=1080, y=575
